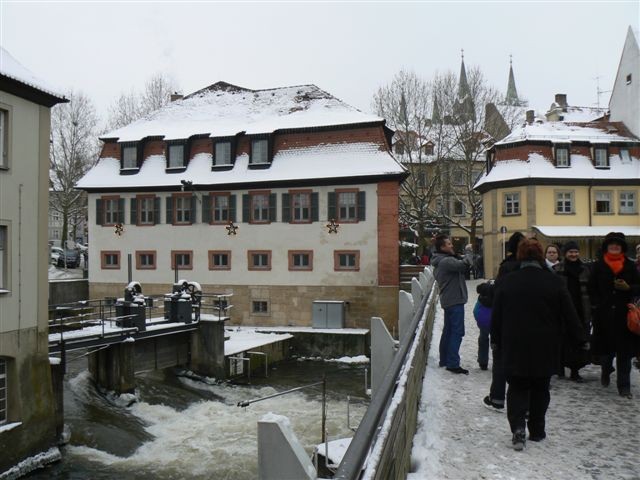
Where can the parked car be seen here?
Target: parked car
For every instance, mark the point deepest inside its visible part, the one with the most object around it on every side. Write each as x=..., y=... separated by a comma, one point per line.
x=60, y=258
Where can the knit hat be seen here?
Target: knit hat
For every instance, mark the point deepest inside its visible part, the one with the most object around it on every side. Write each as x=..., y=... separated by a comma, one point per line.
x=615, y=237
x=570, y=245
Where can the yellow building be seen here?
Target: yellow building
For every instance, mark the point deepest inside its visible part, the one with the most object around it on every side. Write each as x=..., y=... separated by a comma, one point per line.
x=561, y=180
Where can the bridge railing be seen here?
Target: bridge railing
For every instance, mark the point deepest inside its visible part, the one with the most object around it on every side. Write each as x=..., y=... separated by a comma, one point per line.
x=381, y=446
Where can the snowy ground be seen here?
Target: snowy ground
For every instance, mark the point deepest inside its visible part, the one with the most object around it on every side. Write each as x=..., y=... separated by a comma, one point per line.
x=592, y=432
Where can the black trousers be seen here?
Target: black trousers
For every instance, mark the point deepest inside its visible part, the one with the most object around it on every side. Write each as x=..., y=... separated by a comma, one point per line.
x=528, y=394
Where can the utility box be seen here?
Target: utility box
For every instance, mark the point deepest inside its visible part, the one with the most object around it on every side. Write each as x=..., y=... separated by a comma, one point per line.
x=328, y=314
x=177, y=309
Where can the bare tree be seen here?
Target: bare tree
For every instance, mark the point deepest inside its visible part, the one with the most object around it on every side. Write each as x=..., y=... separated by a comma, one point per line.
x=407, y=103
x=464, y=113
x=73, y=151
x=133, y=105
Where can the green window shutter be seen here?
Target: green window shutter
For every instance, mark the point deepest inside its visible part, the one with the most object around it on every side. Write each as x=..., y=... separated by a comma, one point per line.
x=273, y=203
x=121, y=210
x=232, y=208
x=361, y=206
x=194, y=200
x=286, y=207
x=134, y=211
x=169, y=210
x=331, y=207
x=246, y=206
x=314, y=207
x=206, y=208
x=156, y=210
x=99, y=212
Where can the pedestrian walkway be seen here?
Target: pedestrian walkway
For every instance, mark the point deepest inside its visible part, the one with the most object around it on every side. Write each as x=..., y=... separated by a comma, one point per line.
x=592, y=432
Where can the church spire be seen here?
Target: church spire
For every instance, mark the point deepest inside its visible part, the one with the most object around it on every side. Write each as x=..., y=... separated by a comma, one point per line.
x=512, y=94
x=464, y=109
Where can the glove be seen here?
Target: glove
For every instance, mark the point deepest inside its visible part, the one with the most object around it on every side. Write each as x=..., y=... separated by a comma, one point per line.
x=585, y=346
x=620, y=284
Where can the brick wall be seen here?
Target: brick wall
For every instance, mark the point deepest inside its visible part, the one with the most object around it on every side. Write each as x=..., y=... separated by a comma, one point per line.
x=388, y=234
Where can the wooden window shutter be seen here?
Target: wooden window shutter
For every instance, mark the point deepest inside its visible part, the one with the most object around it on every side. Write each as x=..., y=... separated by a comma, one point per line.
x=331, y=210
x=246, y=208
x=361, y=206
x=314, y=207
x=206, y=208
x=232, y=208
x=169, y=210
x=286, y=207
x=156, y=210
x=194, y=200
x=273, y=201
x=121, y=210
x=133, y=211
x=99, y=212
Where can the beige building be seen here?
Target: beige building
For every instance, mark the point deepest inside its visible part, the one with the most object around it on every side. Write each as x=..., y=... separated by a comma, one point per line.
x=26, y=399
x=559, y=181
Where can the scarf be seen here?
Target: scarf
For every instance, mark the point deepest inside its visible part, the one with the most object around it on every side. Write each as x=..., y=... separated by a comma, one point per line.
x=615, y=261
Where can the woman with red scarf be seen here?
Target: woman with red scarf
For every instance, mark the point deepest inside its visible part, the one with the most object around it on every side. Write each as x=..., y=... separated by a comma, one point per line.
x=614, y=282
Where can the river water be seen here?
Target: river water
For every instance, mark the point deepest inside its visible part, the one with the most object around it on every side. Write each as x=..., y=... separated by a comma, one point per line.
x=186, y=429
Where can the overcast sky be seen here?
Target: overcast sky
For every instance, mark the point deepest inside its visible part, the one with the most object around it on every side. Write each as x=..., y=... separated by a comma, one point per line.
x=348, y=49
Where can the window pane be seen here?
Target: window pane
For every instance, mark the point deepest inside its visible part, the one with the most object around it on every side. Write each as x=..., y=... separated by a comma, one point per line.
x=259, y=151
x=176, y=156
x=347, y=206
x=129, y=157
x=601, y=157
x=223, y=153
x=3, y=257
x=220, y=208
x=260, y=207
x=3, y=138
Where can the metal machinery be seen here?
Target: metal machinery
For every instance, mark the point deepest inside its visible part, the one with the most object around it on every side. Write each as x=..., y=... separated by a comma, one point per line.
x=131, y=310
x=184, y=300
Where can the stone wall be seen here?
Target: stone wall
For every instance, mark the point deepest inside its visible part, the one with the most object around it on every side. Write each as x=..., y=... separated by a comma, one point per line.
x=65, y=291
x=30, y=397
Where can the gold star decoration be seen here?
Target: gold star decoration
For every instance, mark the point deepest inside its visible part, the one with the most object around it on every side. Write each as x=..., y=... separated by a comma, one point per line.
x=333, y=226
x=119, y=229
x=231, y=228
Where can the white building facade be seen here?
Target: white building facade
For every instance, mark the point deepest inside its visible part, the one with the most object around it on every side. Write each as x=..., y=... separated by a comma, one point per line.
x=238, y=189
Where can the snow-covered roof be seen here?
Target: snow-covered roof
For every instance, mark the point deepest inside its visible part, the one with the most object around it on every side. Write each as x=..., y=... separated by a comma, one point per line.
x=568, y=132
x=350, y=160
x=224, y=110
x=577, y=114
x=537, y=166
x=10, y=67
x=586, y=231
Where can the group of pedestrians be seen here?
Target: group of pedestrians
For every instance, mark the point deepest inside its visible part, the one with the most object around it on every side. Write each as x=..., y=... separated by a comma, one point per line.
x=546, y=310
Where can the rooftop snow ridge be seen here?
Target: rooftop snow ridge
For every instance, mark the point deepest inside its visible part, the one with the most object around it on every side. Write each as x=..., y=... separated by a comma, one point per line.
x=12, y=68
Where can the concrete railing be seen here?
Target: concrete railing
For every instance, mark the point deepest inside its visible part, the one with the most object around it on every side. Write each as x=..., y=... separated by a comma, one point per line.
x=381, y=447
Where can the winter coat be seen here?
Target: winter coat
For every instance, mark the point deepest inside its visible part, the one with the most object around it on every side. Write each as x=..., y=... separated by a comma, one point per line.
x=531, y=310
x=449, y=272
x=576, y=276
x=610, y=332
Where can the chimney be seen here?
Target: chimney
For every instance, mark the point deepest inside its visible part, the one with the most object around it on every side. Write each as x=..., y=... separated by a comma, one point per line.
x=176, y=96
x=531, y=116
x=561, y=99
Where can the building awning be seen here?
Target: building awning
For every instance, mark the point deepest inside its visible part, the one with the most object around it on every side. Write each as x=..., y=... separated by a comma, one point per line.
x=585, y=231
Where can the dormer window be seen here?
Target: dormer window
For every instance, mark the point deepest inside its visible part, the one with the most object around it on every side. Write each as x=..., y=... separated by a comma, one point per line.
x=600, y=157
x=259, y=152
x=625, y=156
x=222, y=154
x=562, y=157
x=129, y=157
x=176, y=155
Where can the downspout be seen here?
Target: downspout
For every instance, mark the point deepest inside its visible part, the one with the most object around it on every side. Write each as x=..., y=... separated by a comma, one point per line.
x=19, y=262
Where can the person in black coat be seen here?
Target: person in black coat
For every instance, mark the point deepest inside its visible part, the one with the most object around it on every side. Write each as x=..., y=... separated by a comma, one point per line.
x=495, y=400
x=614, y=282
x=531, y=310
x=576, y=273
